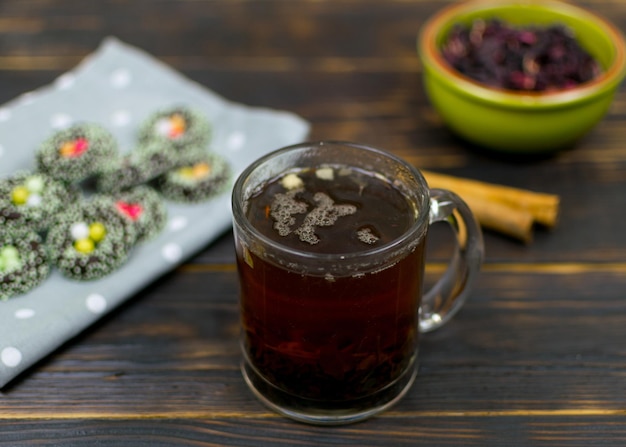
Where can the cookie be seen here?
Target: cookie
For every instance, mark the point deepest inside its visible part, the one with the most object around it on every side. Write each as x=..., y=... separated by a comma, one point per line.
x=201, y=180
x=177, y=127
x=143, y=208
x=90, y=240
x=124, y=172
x=76, y=153
x=23, y=262
x=30, y=200
x=146, y=162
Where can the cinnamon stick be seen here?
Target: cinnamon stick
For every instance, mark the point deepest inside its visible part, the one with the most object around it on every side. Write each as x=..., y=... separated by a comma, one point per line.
x=501, y=217
x=511, y=211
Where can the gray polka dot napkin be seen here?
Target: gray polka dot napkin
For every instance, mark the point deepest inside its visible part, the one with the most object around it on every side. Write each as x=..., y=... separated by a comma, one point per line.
x=118, y=87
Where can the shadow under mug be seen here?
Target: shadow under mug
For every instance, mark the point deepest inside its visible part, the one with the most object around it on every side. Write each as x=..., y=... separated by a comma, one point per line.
x=331, y=336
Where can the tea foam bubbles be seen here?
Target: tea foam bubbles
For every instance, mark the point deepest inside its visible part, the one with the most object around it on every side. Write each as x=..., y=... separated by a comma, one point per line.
x=367, y=236
x=283, y=208
x=325, y=214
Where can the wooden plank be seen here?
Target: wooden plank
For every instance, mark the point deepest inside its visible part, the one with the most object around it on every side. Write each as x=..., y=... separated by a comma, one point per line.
x=422, y=430
x=522, y=344
x=373, y=35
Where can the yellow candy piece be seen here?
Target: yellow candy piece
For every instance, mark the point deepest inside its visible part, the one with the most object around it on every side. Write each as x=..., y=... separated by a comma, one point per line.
x=97, y=231
x=85, y=245
x=186, y=172
x=19, y=195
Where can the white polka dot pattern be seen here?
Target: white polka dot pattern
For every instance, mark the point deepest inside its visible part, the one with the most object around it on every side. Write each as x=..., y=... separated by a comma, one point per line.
x=65, y=81
x=120, y=118
x=172, y=253
x=178, y=223
x=120, y=78
x=24, y=313
x=96, y=303
x=60, y=121
x=5, y=114
x=236, y=140
x=11, y=357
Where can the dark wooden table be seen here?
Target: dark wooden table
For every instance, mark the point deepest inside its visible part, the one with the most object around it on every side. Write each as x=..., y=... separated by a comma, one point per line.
x=536, y=357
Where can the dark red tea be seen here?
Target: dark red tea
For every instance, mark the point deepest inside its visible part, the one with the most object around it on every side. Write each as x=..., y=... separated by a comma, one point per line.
x=322, y=335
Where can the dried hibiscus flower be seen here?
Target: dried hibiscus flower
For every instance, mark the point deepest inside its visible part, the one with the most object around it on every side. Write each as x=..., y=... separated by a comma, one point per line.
x=532, y=58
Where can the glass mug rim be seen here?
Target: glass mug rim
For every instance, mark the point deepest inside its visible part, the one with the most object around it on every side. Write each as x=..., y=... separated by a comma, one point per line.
x=414, y=234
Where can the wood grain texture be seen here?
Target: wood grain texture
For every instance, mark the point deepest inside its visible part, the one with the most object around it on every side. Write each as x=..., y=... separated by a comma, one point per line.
x=536, y=357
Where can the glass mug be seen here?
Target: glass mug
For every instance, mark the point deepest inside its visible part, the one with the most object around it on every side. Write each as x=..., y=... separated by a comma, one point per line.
x=329, y=240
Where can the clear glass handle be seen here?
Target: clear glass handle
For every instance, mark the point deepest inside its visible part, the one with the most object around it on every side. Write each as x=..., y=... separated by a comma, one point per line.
x=449, y=293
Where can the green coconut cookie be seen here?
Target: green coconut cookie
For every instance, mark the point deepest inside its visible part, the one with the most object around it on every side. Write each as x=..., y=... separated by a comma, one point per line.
x=30, y=200
x=146, y=162
x=90, y=240
x=201, y=180
x=124, y=172
x=141, y=206
x=176, y=126
x=76, y=153
x=23, y=262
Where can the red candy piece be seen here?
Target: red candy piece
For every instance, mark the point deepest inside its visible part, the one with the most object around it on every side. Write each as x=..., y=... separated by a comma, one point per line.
x=74, y=148
x=131, y=210
x=80, y=146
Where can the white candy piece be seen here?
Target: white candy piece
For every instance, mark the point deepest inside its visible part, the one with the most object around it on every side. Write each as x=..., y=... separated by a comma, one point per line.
x=33, y=200
x=79, y=230
x=163, y=127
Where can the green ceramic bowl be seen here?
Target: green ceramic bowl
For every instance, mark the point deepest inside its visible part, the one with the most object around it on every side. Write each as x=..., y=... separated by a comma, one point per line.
x=522, y=122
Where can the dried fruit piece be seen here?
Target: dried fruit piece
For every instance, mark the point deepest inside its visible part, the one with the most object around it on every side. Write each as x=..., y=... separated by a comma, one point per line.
x=531, y=58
